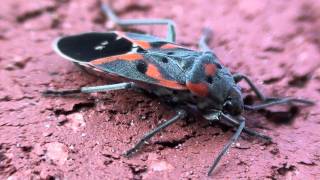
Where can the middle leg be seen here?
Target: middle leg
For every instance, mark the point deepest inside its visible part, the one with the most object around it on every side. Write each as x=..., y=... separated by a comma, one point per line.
x=226, y=147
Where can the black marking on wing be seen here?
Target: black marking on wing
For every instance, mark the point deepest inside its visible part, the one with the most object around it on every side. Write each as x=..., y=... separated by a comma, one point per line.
x=105, y=48
x=94, y=45
x=141, y=66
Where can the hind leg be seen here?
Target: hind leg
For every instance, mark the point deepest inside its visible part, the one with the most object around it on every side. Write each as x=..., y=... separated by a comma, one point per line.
x=171, y=34
x=205, y=39
x=91, y=89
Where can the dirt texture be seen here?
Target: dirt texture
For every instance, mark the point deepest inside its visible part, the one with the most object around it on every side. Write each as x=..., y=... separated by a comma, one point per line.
x=276, y=43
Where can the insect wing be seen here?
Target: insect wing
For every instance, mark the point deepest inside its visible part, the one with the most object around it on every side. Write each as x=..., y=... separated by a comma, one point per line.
x=147, y=41
x=112, y=53
x=86, y=47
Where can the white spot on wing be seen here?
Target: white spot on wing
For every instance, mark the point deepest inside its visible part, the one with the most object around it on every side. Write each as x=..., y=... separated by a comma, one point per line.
x=104, y=43
x=99, y=48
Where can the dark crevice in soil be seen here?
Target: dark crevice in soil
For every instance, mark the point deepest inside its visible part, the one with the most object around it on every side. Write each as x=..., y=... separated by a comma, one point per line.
x=26, y=149
x=111, y=156
x=300, y=81
x=35, y=13
x=272, y=80
x=274, y=49
x=109, y=159
x=285, y=168
x=281, y=117
x=224, y=126
x=249, y=99
x=75, y=108
x=134, y=7
x=137, y=170
x=307, y=13
x=307, y=163
x=6, y=167
x=22, y=125
x=38, y=12
x=279, y=172
x=175, y=143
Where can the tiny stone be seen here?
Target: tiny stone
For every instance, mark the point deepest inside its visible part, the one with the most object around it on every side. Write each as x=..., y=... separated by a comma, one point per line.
x=9, y=67
x=47, y=134
x=62, y=119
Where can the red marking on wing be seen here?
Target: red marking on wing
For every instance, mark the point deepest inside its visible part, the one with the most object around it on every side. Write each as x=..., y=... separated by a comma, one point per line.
x=172, y=84
x=170, y=46
x=210, y=69
x=143, y=44
x=200, y=89
x=124, y=57
x=153, y=71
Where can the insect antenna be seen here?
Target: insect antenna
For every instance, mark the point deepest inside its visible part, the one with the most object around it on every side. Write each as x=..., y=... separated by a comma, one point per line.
x=278, y=101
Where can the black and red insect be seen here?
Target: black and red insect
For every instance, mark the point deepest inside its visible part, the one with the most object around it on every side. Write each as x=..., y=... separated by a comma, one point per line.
x=185, y=78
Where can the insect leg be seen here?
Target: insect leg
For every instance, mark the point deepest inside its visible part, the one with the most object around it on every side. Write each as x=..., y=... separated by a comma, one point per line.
x=171, y=34
x=91, y=89
x=266, y=101
x=205, y=40
x=230, y=142
x=249, y=131
x=180, y=114
x=232, y=122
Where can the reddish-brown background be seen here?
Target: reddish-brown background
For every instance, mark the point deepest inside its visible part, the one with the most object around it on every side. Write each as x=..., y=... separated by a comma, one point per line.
x=276, y=42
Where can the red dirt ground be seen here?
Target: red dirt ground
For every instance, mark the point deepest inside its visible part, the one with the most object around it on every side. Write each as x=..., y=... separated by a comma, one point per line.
x=277, y=43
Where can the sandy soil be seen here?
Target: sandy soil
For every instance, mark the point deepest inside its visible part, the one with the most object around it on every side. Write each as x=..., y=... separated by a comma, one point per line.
x=277, y=43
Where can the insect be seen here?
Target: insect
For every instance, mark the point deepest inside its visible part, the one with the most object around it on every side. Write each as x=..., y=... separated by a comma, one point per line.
x=183, y=77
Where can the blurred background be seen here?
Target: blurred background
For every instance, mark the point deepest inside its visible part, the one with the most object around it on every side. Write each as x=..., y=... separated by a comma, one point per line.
x=276, y=43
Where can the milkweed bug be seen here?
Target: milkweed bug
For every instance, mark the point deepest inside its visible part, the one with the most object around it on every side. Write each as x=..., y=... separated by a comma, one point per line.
x=179, y=75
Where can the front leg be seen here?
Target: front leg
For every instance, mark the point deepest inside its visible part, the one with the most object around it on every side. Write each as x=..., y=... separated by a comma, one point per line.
x=267, y=101
x=231, y=141
x=180, y=114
